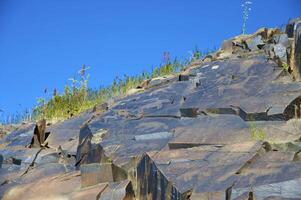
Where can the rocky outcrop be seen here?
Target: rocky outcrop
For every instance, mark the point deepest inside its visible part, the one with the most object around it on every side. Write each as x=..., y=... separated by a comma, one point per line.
x=228, y=127
x=293, y=30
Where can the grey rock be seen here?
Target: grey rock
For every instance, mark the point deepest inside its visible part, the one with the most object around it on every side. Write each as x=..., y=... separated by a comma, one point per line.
x=205, y=134
x=297, y=55
x=227, y=46
x=290, y=27
x=1, y=161
x=281, y=39
x=280, y=52
x=65, y=134
x=183, y=77
x=118, y=191
x=154, y=136
x=95, y=173
x=255, y=43
x=160, y=80
x=20, y=137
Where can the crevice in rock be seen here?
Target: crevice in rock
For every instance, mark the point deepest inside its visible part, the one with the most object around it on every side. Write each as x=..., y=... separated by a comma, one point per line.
x=265, y=148
x=183, y=77
x=16, y=161
x=297, y=156
x=152, y=183
x=4, y=182
x=293, y=110
x=228, y=192
x=32, y=162
x=156, y=116
x=101, y=191
x=173, y=146
x=129, y=192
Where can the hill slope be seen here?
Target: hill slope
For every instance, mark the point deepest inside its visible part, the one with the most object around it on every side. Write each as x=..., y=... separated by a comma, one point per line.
x=228, y=127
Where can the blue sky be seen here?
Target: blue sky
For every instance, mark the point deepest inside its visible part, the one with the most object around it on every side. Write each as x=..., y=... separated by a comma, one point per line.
x=43, y=43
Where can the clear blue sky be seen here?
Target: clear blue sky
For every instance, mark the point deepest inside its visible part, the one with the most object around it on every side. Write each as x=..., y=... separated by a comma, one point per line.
x=43, y=43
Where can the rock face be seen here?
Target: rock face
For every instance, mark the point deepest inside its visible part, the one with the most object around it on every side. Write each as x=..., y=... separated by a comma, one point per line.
x=227, y=127
x=4, y=129
x=293, y=30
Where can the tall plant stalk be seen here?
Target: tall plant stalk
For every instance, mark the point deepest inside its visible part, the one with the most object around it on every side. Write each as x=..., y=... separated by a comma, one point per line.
x=246, y=8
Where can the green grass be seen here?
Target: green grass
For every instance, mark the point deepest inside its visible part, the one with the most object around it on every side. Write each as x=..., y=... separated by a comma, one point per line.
x=78, y=97
x=256, y=133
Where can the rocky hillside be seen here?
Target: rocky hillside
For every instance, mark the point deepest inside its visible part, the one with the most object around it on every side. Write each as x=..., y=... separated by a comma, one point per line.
x=228, y=127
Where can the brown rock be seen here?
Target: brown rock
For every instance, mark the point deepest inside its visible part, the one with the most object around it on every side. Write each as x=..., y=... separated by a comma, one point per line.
x=293, y=30
x=39, y=135
x=95, y=173
x=118, y=191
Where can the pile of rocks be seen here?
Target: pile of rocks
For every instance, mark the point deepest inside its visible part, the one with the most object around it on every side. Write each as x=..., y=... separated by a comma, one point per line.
x=228, y=127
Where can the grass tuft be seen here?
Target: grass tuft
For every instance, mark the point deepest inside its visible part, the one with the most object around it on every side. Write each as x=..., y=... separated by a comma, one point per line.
x=256, y=133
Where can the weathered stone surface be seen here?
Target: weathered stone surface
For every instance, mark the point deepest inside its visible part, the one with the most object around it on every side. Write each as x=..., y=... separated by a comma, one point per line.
x=154, y=136
x=280, y=52
x=217, y=173
x=67, y=186
x=227, y=46
x=290, y=27
x=65, y=134
x=1, y=161
x=173, y=174
x=20, y=137
x=58, y=186
x=282, y=190
x=281, y=39
x=118, y=191
x=271, y=174
x=239, y=82
x=293, y=30
x=92, y=174
x=227, y=127
x=297, y=49
x=5, y=129
x=39, y=134
x=161, y=80
x=255, y=43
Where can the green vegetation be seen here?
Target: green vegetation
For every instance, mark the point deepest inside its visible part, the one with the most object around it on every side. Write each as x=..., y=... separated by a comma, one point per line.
x=78, y=97
x=256, y=133
x=285, y=66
